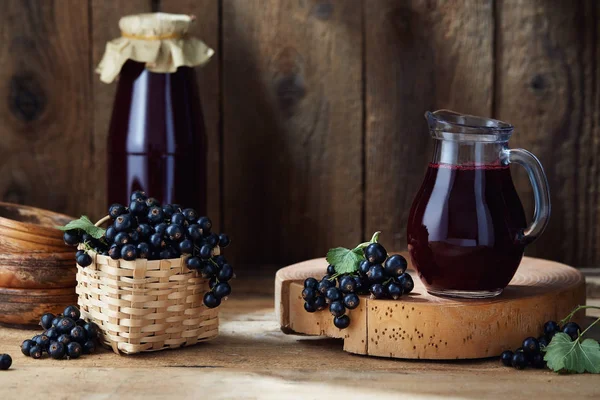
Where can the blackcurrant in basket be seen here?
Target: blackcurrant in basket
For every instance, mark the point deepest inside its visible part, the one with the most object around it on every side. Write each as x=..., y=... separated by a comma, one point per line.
x=222, y=290
x=26, y=346
x=74, y=350
x=89, y=347
x=156, y=241
x=123, y=223
x=220, y=260
x=190, y=215
x=144, y=231
x=186, y=246
x=210, y=300
x=519, y=360
x=226, y=273
x=56, y=350
x=506, y=358
x=224, y=240
x=151, y=202
x=311, y=283
x=114, y=251
x=194, y=232
x=205, y=252
x=212, y=240
x=531, y=346
x=64, y=339
x=375, y=253
x=376, y=274
x=46, y=320
x=205, y=224
x=407, y=283
x=337, y=309
x=330, y=269
x=341, y=322
x=208, y=270
x=160, y=228
x=155, y=215
x=110, y=234
x=116, y=209
x=72, y=237
x=134, y=237
x=395, y=290
x=5, y=361
x=72, y=312
x=36, y=352
x=138, y=194
x=177, y=218
x=142, y=250
x=84, y=260
x=138, y=207
x=168, y=210
x=351, y=301
x=395, y=265
x=128, y=252
x=347, y=284
x=174, y=232
x=571, y=329
x=78, y=334
x=193, y=263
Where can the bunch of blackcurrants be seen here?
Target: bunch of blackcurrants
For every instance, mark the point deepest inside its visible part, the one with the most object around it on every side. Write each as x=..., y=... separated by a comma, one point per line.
x=65, y=335
x=381, y=276
x=531, y=352
x=147, y=229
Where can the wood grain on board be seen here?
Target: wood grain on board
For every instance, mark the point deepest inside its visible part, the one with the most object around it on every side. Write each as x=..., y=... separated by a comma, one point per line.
x=420, y=56
x=45, y=112
x=548, y=85
x=292, y=114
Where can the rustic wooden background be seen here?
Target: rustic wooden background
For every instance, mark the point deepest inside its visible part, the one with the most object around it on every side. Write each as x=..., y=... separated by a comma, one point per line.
x=315, y=110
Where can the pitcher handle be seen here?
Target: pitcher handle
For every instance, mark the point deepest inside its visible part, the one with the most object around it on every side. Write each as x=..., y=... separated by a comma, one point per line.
x=541, y=192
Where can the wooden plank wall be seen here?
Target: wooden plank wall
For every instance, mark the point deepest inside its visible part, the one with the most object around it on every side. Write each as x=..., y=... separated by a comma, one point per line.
x=314, y=110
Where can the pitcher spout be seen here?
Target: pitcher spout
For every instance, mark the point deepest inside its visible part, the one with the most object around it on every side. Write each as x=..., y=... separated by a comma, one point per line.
x=447, y=124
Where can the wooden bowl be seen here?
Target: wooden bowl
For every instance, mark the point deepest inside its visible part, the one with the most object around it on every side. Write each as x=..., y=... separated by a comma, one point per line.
x=22, y=308
x=37, y=270
x=32, y=223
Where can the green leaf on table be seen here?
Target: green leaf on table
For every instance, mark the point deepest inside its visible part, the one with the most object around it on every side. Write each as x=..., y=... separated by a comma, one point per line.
x=344, y=260
x=85, y=225
x=573, y=356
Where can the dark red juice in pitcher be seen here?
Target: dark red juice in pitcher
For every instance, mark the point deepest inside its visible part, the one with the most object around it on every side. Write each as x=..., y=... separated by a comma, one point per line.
x=464, y=228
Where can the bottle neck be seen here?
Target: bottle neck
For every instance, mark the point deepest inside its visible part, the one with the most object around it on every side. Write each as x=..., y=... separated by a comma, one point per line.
x=468, y=153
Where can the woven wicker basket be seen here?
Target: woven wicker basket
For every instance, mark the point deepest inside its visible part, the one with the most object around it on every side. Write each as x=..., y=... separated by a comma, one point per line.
x=145, y=305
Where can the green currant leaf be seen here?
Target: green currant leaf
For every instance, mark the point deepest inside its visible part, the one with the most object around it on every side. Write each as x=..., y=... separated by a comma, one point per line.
x=85, y=225
x=344, y=260
x=573, y=356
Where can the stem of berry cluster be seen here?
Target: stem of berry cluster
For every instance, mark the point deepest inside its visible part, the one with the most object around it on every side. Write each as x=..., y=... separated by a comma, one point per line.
x=577, y=309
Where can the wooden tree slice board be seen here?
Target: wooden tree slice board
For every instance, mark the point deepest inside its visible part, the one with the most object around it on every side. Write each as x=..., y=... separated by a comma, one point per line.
x=423, y=326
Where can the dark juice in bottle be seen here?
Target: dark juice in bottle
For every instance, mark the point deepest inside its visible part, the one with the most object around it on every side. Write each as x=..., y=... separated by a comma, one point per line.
x=157, y=140
x=464, y=226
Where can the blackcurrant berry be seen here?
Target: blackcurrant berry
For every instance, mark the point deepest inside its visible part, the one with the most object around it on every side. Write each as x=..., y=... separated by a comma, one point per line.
x=138, y=194
x=571, y=329
x=52, y=333
x=330, y=269
x=5, y=362
x=43, y=341
x=177, y=218
x=152, y=202
x=123, y=223
x=407, y=283
x=176, y=207
x=377, y=291
x=351, y=301
x=74, y=350
x=309, y=307
x=134, y=236
x=190, y=215
x=56, y=350
x=72, y=238
x=122, y=238
x=395, y=290
x=160, y=228
x=110, y=234
x=65, y=325
x=84, y=260
x=155, y=215
x=205, y=225
x=531, y=346
x=324, y=285
x=114, y=251
x=376, y=274
x=193, y=232
x=320, y=302
x=36, y=352
x=56, y=321
x=116, y=209
x=209, y=270
x=333, y=294
x=138, y=207
x=226, y=273
x=78, y=334
x=186, y=246
x=89, y=347
x=543, y=342
x=72, y=312
x=506, y=358
x=193, y=263
x=375, y=253
x=519, y=360
x=395, y=265
x=46, y=320
x=364, y=266
x=341, y=322
x=337, y=309
x=91, y=330
x=168, y=210
x=142, y=250
x=156, y=241
x=224, y=240
x=311, y=283
x=128, y=252
x=212, y=240
x=550, y=329
x=362, y=284
x=144, y=231
x=220, y=260
x=537, y=361
x=65, y=339
x=222, y=290
x=174, y=232
x=205, y=252
x=26, y=346
x=211, y=301
x=347, y=284
x=80, y=322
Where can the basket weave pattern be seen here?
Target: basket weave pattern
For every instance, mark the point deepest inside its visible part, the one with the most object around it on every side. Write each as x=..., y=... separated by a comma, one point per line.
x=145, y=305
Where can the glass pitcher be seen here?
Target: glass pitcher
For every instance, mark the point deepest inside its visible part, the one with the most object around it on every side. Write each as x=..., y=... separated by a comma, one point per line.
x=467, y=229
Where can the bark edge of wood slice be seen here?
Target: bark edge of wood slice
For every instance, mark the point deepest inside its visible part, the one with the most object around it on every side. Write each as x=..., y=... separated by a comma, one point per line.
x=423, y=326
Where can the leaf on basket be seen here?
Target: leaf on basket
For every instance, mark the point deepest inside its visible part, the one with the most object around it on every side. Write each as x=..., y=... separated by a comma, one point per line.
x=85, y=225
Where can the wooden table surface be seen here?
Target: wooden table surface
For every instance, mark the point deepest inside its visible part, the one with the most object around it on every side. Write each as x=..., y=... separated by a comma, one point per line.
x=252, y=358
